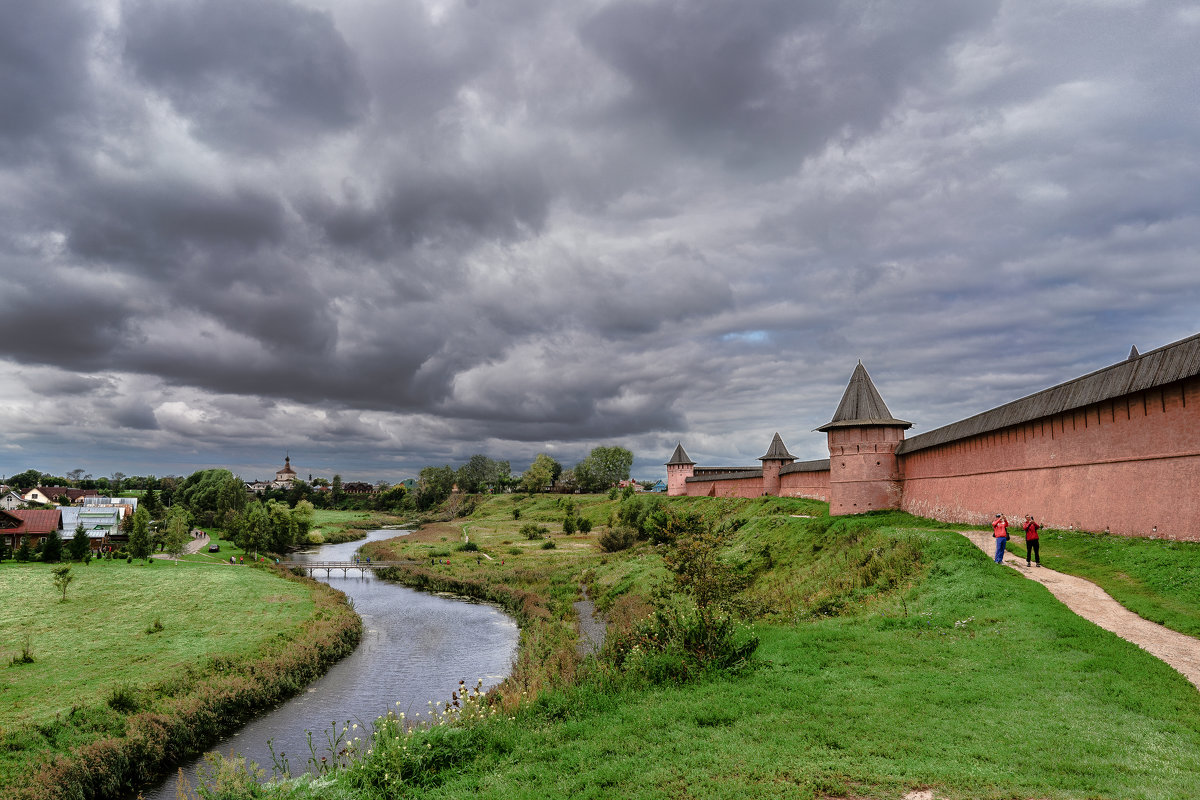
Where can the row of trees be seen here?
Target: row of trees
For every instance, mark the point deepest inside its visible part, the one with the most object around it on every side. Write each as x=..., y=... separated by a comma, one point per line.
x=602, y=469
x=78, y=479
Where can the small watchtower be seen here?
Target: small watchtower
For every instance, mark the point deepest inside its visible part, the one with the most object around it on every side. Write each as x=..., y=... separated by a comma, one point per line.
x=679, y=469
x=772, y=461
x=864, y=474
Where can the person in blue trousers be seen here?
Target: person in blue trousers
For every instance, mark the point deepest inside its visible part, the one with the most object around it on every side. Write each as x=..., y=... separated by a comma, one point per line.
x=1000, y=532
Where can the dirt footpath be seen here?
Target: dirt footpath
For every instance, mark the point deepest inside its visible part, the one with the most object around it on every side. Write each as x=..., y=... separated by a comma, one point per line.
x=1092, y=603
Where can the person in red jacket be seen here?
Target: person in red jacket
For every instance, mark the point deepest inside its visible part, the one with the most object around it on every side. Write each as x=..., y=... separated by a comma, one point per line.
x=1031, y=541
x=1000, y=532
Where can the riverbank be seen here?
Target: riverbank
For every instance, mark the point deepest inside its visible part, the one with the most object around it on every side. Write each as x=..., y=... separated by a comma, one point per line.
x=890, y=661
x=144, y=664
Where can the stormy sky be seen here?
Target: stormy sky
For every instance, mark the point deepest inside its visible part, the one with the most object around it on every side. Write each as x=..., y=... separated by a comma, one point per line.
x=385, y=235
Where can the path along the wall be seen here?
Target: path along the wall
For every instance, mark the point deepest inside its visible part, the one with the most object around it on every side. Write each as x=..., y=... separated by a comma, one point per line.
x=1089, y=601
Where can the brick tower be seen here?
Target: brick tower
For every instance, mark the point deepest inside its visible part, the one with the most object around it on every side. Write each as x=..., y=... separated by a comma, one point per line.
x=679, y=469
x=776, y=456
x=863, y=435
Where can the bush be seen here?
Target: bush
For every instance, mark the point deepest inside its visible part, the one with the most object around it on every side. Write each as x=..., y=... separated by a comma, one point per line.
x=531, y=531
x=585, y=526
x=678, y=642
x=548, y=545
x=516, y=513
x=569, y=524
x=468, y=547
x=123, y=698
x=621, y=537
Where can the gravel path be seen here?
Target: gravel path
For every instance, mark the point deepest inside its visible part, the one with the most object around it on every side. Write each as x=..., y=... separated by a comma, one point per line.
x=1089, y=601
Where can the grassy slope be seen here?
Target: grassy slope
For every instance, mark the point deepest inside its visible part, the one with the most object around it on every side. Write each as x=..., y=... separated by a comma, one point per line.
x=97, y=639
x=233, y=640
x=937, y=671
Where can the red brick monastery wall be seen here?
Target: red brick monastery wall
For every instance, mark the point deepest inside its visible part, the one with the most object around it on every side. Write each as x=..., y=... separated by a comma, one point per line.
x=729, y=487
x=1117, y=450
x=814, y=485
x=1130, y=466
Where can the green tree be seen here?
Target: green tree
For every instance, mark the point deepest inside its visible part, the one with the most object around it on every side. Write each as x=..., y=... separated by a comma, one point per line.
x=474, y=475
x=602, y=468
x=24, y=481
x=256, y=533
x=178, y=529
x=139, y=536
x=24, y=552
x=394, y=498
x=52, y=548
x=433, y=486
x=62, y=579
x=79, y=545
x=336, y=492
x=281, y=527
x=209, y=494
x=151, y=503
x=303, y=515
x=541, y=473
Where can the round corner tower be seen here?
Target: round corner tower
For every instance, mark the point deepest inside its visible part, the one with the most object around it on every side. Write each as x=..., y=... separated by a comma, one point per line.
x=679, y=469
x=864, y=474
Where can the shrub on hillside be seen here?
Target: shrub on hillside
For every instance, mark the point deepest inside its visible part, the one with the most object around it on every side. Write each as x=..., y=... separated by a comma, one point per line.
x=621, y=537
x=532, y=530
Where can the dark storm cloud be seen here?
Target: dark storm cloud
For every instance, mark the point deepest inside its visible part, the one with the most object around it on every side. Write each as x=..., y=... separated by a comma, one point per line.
x=755, y=81
x=249, y=76
x=62, y=319
x=502, y=201
x=157, y=226
x=43, y=65
x=400, y=234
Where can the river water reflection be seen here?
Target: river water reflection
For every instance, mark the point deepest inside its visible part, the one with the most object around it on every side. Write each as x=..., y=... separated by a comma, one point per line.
x=415, y=648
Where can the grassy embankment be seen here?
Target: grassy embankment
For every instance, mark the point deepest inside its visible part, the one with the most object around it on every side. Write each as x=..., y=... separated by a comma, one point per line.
x=893, y=656
x=144, y=663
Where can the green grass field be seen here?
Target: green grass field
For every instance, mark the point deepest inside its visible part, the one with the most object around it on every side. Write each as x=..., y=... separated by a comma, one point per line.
x=97, y=640
x=893, y=657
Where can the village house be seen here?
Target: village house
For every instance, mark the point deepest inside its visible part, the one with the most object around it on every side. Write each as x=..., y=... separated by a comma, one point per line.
x=29, y=525
x=101, y=523
x=10, y=500
x=50, y=494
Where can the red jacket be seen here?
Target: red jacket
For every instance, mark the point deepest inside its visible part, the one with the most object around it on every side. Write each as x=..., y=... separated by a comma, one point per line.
x=1000, y=528
x=1031, y=529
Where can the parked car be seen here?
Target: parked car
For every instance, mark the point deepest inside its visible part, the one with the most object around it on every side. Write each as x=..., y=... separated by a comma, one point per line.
x=214, y=548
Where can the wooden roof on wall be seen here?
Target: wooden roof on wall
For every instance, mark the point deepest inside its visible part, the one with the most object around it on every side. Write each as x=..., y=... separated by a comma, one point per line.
x=1173, y=362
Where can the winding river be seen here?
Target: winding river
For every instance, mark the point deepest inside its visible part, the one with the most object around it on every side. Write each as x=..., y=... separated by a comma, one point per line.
x=415, y=648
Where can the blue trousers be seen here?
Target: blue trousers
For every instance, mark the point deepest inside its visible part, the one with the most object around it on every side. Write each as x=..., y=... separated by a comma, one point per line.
x=1000, y=542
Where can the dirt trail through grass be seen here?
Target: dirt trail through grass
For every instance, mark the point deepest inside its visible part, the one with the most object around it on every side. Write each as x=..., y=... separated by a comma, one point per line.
x=1089, y=601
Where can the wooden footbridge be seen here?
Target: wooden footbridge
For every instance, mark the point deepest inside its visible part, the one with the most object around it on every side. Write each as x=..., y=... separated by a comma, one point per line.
x=362, y=565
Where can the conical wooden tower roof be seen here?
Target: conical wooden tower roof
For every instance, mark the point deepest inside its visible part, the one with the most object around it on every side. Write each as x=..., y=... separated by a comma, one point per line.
x=679, y=457
x=862, y=405
x=777, y=451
